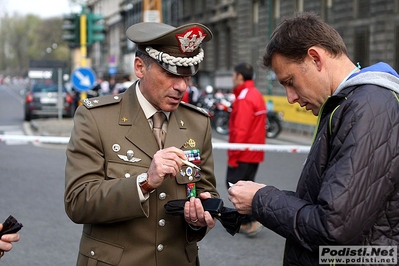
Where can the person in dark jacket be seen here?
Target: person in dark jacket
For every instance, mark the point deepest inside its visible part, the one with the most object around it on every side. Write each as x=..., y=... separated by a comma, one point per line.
x=247, y=124
x=6, y=241
x=348, y=191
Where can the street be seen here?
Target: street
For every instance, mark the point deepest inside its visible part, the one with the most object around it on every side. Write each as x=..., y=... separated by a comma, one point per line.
x=32, y=187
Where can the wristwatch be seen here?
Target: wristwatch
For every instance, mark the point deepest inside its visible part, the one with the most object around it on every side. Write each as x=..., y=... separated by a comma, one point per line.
x=143, y=182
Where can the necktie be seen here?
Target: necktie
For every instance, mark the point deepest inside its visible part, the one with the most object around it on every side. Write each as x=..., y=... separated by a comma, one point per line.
x=158, y=118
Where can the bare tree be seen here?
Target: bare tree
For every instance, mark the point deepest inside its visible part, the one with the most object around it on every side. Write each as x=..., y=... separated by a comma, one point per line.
x=23, y=38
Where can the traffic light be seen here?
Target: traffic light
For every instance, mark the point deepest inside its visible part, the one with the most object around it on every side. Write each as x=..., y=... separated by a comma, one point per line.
x=95, y=28
x=71, y=29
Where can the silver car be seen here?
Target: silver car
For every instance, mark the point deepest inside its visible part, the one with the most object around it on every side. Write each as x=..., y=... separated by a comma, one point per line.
x=41, y=100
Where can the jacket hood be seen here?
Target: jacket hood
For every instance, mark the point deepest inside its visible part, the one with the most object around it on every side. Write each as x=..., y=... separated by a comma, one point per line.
x=380, y=74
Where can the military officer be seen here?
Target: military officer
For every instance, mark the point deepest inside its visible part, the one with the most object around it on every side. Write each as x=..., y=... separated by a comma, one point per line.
x=123, y=166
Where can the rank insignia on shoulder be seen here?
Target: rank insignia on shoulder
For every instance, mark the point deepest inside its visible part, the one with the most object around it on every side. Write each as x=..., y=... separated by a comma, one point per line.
x=88, y=103
x=101, y=101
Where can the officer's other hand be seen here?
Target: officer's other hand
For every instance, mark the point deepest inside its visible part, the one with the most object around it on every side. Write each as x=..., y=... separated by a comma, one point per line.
x=194, y=213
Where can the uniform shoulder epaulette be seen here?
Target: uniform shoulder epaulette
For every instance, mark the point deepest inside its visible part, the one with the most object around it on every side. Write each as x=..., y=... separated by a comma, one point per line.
x=101, y=101
x=195, y=108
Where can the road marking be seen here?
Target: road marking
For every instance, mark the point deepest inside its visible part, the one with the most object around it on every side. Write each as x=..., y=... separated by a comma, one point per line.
x=13, y=130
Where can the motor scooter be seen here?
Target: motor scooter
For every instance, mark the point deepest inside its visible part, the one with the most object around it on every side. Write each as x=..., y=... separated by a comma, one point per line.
x=222, y=116
x=273, y=125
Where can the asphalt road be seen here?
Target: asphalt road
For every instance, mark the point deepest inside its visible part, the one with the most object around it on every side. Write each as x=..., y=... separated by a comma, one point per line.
x=32, y=187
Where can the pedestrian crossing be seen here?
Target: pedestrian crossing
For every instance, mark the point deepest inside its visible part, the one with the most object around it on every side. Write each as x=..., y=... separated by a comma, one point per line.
x=13, y=130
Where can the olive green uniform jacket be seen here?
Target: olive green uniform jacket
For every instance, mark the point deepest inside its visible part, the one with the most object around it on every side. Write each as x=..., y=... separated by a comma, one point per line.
x=101, y=189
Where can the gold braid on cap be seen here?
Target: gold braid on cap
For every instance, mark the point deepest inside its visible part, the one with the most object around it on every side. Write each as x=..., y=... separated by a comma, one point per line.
x=175, y=61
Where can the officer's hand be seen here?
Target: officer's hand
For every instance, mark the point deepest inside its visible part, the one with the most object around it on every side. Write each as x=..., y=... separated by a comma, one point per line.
x=166, y=162
x=194, y=213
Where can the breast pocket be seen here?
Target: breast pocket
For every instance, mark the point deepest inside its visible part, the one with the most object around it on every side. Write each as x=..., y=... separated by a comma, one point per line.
x=188, y=174
x=96, y=252
x=124, y=170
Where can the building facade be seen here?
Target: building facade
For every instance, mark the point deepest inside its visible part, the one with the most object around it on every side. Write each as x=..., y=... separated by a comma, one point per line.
x=241, y=29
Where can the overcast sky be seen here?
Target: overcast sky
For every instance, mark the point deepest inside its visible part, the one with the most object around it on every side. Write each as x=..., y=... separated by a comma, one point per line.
x=42, y=8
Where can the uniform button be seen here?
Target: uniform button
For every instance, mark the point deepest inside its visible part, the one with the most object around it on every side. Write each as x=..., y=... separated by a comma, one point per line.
x=92, y=253
x=160, y=247
x=127, y=175
x=162, y=195
x=161, y=222
x=116, y=97
x=190, y=178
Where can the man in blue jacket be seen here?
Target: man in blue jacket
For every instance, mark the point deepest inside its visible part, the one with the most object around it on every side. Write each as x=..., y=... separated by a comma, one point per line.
x=348, y=191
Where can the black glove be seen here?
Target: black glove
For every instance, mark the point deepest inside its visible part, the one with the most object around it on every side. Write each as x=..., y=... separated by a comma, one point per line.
x=10, y=226
x=228, y=217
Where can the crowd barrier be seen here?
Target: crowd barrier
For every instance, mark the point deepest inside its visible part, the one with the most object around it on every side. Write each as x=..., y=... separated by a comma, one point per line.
x=216, y=145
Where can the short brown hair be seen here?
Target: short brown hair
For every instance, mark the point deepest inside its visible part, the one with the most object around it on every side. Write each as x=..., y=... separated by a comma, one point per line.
x=294, y=36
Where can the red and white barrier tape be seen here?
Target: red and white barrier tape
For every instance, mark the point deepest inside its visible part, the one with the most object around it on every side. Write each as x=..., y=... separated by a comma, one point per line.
x=216, y=145
x=261, y=147
x=35, y=139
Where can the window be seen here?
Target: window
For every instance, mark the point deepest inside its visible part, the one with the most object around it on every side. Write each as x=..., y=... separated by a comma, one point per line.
x=275, y=16
x=325, y=9
x=362, y=8
x=255, y=18
x=298, y=5
x=362, y=46
x=396, y=59
x=228, y=46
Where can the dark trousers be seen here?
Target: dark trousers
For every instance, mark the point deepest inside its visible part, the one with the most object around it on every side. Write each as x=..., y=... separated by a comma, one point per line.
x=245, y=172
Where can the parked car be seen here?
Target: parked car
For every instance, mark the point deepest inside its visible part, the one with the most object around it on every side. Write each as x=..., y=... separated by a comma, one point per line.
x=41, y=101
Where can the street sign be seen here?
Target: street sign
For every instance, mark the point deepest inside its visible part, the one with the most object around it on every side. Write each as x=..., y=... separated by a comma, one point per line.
x=83, y=79
x=112, y=70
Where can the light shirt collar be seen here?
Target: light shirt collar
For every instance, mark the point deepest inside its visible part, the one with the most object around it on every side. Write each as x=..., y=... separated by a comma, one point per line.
x=147, y=107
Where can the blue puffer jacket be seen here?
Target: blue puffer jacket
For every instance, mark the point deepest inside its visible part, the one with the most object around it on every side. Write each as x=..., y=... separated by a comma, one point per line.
x=348, y=192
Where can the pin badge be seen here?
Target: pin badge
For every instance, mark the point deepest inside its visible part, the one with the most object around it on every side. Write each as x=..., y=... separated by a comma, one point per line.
x=189, y=171
x=116, y=147
x=182, y=172
x=129, y=157
x=189, y=143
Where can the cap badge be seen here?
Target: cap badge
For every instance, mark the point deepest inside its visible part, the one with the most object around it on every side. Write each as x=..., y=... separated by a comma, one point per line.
x=191, y=39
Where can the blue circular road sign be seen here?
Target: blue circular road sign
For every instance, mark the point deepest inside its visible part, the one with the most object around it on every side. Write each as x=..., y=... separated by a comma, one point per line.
x=83, y=79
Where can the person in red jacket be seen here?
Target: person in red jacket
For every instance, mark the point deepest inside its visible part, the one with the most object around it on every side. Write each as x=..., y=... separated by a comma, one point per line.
x=247, y=125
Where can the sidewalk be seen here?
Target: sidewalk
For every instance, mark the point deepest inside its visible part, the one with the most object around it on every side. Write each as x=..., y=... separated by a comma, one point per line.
x=52, y=127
